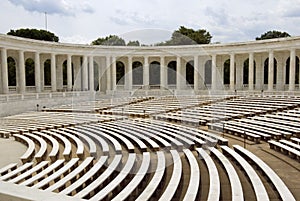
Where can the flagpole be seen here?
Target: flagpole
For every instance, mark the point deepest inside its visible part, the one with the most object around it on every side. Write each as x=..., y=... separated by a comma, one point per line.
x=46, y=21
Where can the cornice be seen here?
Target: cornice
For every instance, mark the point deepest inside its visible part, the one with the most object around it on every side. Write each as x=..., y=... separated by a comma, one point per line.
x=30, y=45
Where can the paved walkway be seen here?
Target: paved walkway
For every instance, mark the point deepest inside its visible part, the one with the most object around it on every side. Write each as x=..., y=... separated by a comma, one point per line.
x=10, y=151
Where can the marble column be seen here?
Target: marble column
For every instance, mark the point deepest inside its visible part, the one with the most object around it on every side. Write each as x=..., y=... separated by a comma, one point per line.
x=4, y=71
x=196, y=72
x=42, y=71
x=37, y=71
x=22, y=81
x=271, y=71
x=85, y=73
x=114, y=73
x=69, y=72
x=53, y=72
x=128, y=75
x=280, y=73
x=77, y=73
x=146, y=75
x=202, y=72
x=108, y=74
x=292, y=69
x=232, y=72
x=59, y=72
x=163, y=73
x=239, y=73
x=178, y=74
x=91, y=73
x=251, y=71
x=259, y=83
x=214, y=72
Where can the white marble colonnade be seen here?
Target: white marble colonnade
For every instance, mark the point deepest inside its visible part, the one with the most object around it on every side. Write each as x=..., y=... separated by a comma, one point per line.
x=83, y=71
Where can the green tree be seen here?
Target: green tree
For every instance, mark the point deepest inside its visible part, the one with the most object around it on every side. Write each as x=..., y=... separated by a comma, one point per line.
x=111, y=40
x=133, y=43
x=273, y=34
x=188, y=36
x=34, y=34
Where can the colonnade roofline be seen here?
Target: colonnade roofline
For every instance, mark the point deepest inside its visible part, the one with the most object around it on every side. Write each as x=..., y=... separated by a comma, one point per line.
x=44, y=47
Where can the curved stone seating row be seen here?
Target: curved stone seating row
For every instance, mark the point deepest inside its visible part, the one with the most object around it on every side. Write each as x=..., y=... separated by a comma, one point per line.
x=93, y=187
x=26, y=175
x=277, y=126
x=38, y=121
x=163, y=136
x=125, y=170
x=150, y=135
x=276, y=118
x=67, y=152
x=19, y=170
x=192, y=133
x=242, y=130
x=80, y=138
x=30, y=152
x=97, y=105
x=271, y=128
x=137, y=132
x=54, y=153
x=228, y=109
x=99, y=141
x=214, y=179
x=117, y=147
x=157, y=178
x=161, y=105
x=235, y=183
x=10, y=167
x=295, y=140
x=41, y=154
x=257, y=184
x=277, y=183
x=286, y=148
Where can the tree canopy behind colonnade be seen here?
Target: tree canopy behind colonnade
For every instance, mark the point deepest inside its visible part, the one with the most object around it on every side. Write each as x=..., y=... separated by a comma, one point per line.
x=273, y=34
x=34, y=34
x=188, y=36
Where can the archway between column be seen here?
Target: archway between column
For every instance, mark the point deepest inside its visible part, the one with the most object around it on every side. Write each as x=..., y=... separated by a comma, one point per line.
x=154, y=75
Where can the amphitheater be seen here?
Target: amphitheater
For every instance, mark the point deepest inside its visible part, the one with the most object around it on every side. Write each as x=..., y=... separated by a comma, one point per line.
x=199, y=122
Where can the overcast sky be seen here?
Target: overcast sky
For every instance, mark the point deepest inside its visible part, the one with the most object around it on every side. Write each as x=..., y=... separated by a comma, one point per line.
x=151, y=21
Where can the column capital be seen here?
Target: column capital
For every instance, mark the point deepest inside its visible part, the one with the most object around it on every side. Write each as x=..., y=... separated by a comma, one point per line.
x=213, y=56
x=146, y=59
